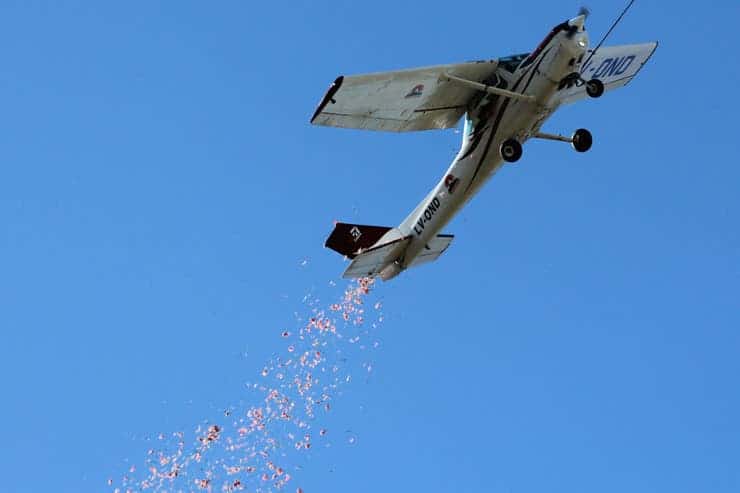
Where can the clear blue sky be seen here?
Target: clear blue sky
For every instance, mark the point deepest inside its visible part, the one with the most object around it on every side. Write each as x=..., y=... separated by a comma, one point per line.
x=160, y=187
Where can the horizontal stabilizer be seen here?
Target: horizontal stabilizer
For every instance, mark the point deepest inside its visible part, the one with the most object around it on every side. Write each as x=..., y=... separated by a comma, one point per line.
x=433, y=250
x=373, y=261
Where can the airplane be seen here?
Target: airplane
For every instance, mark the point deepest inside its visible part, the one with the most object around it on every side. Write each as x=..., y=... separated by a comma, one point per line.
x=504, y=102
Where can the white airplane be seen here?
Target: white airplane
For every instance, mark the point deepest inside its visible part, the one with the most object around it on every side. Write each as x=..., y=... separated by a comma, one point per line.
x=505, y=103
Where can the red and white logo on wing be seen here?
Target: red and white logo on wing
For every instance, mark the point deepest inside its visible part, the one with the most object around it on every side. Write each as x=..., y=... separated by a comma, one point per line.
x=416, y=91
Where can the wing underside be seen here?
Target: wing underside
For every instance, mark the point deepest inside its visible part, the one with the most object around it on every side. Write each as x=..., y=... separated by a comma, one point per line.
x=615, y=66
x=404, y=100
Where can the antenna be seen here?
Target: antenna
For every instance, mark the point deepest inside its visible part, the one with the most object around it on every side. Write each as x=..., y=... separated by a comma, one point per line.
x=608, y=33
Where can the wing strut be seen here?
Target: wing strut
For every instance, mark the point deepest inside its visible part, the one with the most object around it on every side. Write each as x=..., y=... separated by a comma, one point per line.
x=489, y=89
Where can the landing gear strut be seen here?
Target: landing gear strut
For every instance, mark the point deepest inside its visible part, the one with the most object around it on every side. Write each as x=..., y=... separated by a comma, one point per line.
x=511, y=150
x=581, y=139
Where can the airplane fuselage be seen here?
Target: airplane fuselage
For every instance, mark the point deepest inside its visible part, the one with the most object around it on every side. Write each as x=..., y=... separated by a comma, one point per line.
x=505, y=102
x=495, y=120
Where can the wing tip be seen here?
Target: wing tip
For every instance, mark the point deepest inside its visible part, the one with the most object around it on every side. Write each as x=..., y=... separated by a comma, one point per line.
x=656, y=43
x=328, y=97
x=647, y=59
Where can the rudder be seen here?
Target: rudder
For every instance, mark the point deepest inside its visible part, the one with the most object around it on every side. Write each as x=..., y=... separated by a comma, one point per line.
x=347, y=239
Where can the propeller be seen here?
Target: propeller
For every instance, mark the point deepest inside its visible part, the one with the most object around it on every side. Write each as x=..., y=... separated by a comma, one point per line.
x=572, y=30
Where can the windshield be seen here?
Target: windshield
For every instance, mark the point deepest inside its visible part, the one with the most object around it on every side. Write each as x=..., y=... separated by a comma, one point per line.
x=510, y=63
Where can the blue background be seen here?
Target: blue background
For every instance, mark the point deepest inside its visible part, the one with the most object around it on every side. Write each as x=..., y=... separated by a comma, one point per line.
x=160, y=188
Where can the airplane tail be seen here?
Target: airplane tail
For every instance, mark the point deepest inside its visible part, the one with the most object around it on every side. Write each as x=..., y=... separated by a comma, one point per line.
x=376, y=250
x=350, y=239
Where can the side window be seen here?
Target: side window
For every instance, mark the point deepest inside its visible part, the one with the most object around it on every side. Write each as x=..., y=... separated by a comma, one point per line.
x=469, y=127
x=510, y=63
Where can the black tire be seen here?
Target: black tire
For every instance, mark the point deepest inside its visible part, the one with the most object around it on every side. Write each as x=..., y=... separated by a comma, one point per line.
x=511, y=150
x=594, y=88
x=582, y=140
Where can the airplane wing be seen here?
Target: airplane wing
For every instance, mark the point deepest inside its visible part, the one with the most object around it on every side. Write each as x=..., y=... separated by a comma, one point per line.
x=615, y=66
x=404, y=100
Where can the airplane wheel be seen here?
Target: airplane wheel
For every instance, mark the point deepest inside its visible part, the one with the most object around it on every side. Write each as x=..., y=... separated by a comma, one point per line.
x=594, y=88
x=582, y=140
x=511, y=150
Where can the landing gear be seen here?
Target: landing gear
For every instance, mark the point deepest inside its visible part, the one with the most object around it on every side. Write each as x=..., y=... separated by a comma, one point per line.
x=582, y=140
x=511, y=150
x=594, y=88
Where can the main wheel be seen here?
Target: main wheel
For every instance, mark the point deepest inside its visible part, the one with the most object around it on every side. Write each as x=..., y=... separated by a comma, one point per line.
x=511, y=150
x=582, y=140
x=594, y=88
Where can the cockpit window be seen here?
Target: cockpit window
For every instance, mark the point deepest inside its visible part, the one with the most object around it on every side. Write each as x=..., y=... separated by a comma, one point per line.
x=469, y=125
x=510, y=63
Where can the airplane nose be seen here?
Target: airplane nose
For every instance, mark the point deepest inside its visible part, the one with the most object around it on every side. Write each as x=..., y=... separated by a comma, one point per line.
x=577, y=35
x=578, y=22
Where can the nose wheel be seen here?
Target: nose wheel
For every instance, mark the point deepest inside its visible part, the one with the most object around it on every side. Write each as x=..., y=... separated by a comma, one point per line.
x=511, y=150
x=594, y=88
